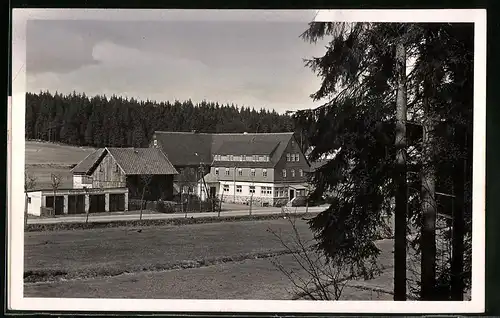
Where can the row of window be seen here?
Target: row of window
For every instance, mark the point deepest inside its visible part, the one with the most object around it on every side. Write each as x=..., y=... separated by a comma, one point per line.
x=240, y=172
x=251, y=189
x=292, y=157
x=251, y=158
x=292, y=172
x=264, y=172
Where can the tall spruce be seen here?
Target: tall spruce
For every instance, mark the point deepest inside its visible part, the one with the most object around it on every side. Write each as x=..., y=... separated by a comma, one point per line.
x=362, y=85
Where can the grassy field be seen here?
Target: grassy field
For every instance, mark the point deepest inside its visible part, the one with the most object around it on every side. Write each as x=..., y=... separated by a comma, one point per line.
x=43, y=159
x=218, y=260
x=37, y=152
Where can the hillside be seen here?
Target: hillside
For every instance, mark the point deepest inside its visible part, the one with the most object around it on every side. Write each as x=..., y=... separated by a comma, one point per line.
x=44, y=159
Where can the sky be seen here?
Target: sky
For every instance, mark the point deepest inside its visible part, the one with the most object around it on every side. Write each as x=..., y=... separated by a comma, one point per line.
x=252, y=60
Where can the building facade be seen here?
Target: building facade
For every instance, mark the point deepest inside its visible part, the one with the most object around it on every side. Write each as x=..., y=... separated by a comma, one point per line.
x=266, y=168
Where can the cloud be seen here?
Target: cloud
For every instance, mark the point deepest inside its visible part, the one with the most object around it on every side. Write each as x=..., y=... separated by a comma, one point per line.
x=53, y=49
x=243, y=62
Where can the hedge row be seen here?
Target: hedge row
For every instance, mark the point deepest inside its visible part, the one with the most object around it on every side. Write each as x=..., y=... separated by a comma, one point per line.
x=177, y=221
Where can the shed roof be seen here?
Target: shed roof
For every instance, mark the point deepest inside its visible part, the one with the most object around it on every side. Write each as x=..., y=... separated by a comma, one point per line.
x=133, y=161
x=142, y=161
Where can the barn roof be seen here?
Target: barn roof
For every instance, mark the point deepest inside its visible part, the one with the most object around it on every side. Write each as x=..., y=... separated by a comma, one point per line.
x=86, y=165
x=192, y=148
x=133, y=161
x=142, y=161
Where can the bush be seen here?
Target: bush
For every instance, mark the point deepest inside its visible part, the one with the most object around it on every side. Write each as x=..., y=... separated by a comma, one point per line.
x=165, y=207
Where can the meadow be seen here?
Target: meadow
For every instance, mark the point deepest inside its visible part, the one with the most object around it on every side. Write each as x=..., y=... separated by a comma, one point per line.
x=217, y=260
x=42, y=159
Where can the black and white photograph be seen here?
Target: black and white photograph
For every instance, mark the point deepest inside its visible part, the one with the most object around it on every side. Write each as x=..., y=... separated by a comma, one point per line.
x=297, y=157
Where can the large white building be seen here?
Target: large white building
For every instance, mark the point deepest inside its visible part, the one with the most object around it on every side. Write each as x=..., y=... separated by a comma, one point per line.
x=267, y=168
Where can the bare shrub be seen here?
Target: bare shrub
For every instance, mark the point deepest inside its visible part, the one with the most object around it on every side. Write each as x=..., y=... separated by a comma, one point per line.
x=318, y=277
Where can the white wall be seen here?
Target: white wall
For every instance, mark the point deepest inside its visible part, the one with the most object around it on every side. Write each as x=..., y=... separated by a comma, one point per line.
x=245, y=189
x=35, y=204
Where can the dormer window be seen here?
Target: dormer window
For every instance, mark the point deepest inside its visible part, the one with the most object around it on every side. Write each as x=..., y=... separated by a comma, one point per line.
x=155, y=143
x=240, y=172
x=227, y=171
x=230, y=157
x=244, y=158
x=252, y=172
x=287, y=157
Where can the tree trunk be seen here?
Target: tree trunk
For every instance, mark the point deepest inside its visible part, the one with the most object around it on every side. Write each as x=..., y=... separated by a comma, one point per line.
x=142, y=202
x=251, y=202
x=429, y=211
x=26, y=211
x=457, y=254
x=400, y=179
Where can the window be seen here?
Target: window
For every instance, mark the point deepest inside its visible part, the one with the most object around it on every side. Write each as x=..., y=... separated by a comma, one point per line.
x=264, y=172
x=287, y=157
x=101, y=169
x=29, y=200
x=252, y=172
x=266, y=190
x=301, y=172
x=293, y=173
x=292, y=157
x=254, y=158
x=284, y=173
x=117, y=169
x=261, y=158
x=216, y=171
x=227, y=171
x=226, y=188
x=230, y=157
x=267, y=158
x=251, y=189
x=293, y=143
x=238, y=189
x=243, y=158
x=240, y=172
x=155, y=142
x=297, y=156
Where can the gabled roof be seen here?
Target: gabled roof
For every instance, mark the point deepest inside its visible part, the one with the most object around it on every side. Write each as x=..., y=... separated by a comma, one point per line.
x=191, y=148
x=86, y=165
x=133, y=161
x=141, y=161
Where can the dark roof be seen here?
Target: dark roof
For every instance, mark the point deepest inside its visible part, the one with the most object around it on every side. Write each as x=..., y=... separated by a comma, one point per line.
x=246, y=148
x=186, y=148
x=242, y=164
x=133, y=161
x=191, y=148
x=141, y=161
x=86, y=165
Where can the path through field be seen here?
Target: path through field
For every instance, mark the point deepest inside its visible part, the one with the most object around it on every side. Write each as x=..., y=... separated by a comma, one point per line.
x=217, y=260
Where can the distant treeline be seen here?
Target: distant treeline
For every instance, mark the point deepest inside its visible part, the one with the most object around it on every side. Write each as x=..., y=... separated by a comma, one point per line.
x=99, y=121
